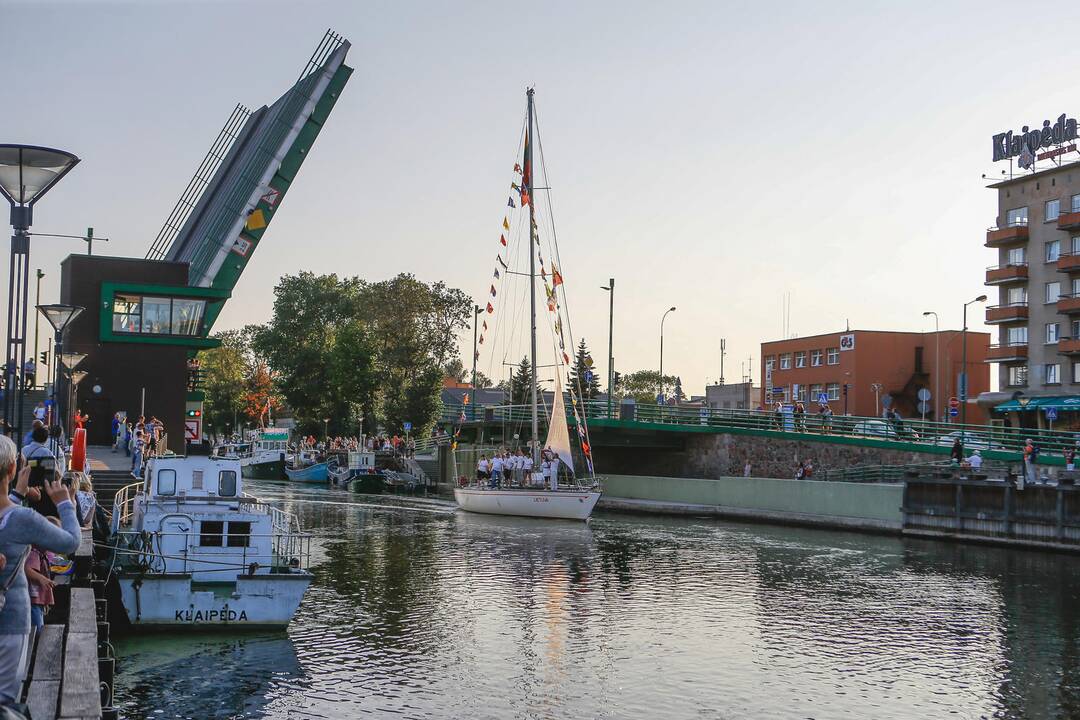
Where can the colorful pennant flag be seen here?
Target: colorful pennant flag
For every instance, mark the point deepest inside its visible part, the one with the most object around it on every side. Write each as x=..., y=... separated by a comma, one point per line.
x=556, y=278
x=526, y=173
x=506, y=225
x=515, y=186
x=485, y=325
x=496, y=273
x=481, y=340
x=525, y=199
x=490, y=308
x=543, y=274
x=465, y=399
x=502, y=239
x=566, y=358
x=510, y=202
x=492, y=291
x=517, y=168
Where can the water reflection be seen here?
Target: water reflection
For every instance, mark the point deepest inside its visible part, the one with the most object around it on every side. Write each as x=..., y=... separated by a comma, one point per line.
x=424, y=612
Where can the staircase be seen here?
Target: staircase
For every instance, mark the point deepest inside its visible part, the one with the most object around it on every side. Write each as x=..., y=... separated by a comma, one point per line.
x=33, y=397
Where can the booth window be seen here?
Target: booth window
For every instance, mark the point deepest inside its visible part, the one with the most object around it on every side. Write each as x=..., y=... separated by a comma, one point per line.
x=145, y=315
x=166, y=482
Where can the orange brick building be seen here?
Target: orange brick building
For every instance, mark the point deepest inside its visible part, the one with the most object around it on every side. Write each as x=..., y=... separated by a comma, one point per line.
x=847, y=366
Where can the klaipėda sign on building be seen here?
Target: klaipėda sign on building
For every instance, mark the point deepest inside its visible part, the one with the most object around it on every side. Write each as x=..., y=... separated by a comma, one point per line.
x=1027, y=142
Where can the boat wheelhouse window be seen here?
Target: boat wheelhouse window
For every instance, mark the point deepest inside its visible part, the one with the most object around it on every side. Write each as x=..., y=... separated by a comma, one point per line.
x=210, y=532
x=166, y=482
x=239, y=534
x=227, y=483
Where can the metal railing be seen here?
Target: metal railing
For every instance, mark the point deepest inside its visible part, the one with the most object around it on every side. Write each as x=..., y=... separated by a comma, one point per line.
x=1005, y=442
x=288, y=551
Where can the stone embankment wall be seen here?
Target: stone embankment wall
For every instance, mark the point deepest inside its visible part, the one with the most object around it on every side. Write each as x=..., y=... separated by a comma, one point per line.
x=708, y=455
x=861, y=506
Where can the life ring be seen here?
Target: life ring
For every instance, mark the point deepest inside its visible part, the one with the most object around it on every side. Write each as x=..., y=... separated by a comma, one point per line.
x=78, y=450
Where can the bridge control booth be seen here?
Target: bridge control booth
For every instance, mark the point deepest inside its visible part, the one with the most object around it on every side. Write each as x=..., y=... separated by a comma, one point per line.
x=145, y=320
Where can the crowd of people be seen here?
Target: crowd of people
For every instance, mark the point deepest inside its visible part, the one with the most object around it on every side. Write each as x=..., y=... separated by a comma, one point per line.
x=396, y=444
x=515, y=469
x=43, y=509
x=139, y=439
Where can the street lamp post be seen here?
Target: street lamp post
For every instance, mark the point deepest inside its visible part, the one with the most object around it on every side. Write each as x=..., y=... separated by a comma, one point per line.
x=27, y=172
x=877, y=387
x=937, y=363
x=60, y=317
x=963, y=364
x=610, y=287
x=37, y=301
x=69, y=360
x=475, y=356
x=326, y=431
x=662, y=319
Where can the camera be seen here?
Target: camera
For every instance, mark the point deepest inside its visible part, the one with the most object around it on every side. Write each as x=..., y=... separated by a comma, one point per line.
x=40, y=470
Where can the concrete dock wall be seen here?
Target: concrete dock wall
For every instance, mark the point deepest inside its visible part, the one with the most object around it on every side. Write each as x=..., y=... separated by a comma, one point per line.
x=809, y=502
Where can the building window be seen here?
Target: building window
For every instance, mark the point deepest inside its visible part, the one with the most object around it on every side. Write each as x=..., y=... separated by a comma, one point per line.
x=832, y=356
x=1053, y=330
x=1074, y=285
x=780, y=394
x=1053, y=209
x=815, y=358
x=1017, y=256
x=1076, y=372
x=800, y=359
x=1053, y=291
x=1017, y=296
x=1016, y=216
x=1018, y=376
x=770, y=362
x=157, y=315
x=833, y=391
x=1074, y=245
x=1017, y=335
x=785, y=361
x=1053, y=374
x=1076, y=203
x=800, y=392
x=166, y=482
x=210, y=532
x=1053, y=250
x=816, y=391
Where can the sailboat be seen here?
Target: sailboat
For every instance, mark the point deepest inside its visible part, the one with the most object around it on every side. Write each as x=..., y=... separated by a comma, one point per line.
x=576, y=498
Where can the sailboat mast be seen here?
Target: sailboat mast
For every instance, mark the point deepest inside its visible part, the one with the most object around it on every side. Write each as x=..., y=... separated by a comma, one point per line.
x=527, y=181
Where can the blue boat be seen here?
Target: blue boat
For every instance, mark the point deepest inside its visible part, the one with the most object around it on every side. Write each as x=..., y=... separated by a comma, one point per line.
x=316, y=473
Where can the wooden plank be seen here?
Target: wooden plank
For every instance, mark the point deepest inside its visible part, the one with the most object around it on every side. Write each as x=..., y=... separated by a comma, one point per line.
x=82, y=617
x=49, y=654
x=42, y=698
x=80, y=696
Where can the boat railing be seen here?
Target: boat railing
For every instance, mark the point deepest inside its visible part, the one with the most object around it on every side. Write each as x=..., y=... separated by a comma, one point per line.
x=124, y=505
x=288, y=538
x=288, y=551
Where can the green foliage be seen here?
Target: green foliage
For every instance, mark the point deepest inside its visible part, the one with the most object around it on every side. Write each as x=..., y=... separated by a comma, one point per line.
x=521, y=382
x=576, y=383
x=642, y=385
x=225, y=370
x=346, y=349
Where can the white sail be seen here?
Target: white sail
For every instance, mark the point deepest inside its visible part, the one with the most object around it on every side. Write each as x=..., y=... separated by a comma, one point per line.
x=558, y=438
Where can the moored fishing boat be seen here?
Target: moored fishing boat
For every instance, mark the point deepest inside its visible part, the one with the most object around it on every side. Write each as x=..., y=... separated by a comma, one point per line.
x=572, y=500
x=192, y=549
x=266, y=458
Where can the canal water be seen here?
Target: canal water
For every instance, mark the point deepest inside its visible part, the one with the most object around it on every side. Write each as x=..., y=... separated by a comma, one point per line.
x=418, y=611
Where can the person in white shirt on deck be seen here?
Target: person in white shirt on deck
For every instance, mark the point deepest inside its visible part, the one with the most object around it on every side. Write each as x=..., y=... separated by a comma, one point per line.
x=497, y=467
x=482, y=469
x=553, y=475
x=526, y=469
x=975, y=460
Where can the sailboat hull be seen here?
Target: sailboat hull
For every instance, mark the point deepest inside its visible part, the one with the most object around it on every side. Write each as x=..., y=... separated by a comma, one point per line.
x=559, y=504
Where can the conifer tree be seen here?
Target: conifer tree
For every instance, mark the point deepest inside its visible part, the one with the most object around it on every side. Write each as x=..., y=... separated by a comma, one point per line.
x=583, y=377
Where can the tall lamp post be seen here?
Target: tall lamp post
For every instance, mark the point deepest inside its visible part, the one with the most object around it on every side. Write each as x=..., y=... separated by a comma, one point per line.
x=963, y=364
x=69, y=360
x=475, y=356
x=610, y=287
x=937, y=364
x=662, y=319
x=59, y=316
x=39, y=373
x=27, y=172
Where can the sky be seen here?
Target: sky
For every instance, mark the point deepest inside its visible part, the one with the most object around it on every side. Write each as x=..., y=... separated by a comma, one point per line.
x=712, y=156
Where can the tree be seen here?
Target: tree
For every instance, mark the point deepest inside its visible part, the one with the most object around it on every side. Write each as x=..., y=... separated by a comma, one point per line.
x=521, y=383
x=642, y=385
x=224, y=371
x=482, y=380
x=456, y=371
x=583, y=381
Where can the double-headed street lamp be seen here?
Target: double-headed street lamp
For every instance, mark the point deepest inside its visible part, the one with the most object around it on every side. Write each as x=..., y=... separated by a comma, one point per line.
x=27, y=172
x=60, y=317
x=963, y=363
x=659, y=397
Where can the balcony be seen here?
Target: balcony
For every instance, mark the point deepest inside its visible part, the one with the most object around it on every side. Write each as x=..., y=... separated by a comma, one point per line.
x=1008, y=274
x=1069, y=221
x=1069, y=346
x=1010, y=352
x=1068, y=304
x=1068, y=263
x=1009, y=235
x=997, y=314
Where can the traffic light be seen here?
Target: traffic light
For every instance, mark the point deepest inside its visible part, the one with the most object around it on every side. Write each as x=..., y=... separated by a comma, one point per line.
x=45, y=357
x=194, y=413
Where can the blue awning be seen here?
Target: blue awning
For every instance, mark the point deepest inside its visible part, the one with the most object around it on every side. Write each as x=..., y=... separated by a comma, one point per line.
x=1062, y=402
